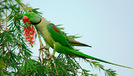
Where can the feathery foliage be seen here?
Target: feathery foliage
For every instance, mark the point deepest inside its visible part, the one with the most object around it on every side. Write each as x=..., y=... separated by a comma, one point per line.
x=16, y=57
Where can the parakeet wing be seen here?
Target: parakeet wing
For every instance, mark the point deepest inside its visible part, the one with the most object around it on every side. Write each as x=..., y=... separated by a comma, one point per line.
x=57, y=35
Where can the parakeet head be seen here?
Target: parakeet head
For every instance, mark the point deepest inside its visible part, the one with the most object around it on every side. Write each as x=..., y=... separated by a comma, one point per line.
x=29, y=31
x=31, y=18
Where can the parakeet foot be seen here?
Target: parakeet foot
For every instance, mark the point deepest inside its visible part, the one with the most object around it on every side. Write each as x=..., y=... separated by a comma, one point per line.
x=43, y=47
x=50, y=56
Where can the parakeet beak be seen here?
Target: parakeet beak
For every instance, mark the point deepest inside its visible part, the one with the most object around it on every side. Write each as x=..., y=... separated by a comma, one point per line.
x=26, y=19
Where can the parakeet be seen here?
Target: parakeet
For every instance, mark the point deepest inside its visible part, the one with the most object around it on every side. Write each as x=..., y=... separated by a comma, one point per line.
x=57, y=40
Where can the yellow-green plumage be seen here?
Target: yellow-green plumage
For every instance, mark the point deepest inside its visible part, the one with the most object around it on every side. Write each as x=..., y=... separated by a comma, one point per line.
x=45, y=33
x=58, y=41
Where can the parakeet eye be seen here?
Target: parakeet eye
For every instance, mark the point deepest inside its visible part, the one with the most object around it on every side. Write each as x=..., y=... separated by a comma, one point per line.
x=30, y=14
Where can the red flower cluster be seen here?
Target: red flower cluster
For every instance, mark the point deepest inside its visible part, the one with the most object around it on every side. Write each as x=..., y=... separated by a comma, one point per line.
x=29, y=34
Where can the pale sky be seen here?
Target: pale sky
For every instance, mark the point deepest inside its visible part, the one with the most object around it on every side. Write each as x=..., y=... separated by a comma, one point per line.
x=106, y=25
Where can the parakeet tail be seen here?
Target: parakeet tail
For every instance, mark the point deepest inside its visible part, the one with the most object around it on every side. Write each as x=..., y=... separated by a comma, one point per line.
x=80, y=54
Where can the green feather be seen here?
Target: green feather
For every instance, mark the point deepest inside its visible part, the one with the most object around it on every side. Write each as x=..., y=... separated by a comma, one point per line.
x=58, y=41
x=34, y=18
x=58, y=37
x=72, y=52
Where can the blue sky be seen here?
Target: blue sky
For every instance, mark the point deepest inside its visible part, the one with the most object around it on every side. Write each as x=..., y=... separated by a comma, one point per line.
x=107, y=25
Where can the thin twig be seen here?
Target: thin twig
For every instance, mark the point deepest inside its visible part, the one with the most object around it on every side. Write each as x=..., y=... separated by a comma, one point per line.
x=6, y=18
x=55, y=67
x=72, y=70
x=0, y=21
x=25, y=7
x=79, y=66
x=39, y=39
x=100, y=67
x=63, y=69
x=7, y=60
x=48, y=60
x=41, y=51
x=7, y=43
x=21, y=49
x=39, y=56
x=2, y=48
x=42, y=58
x=96, y=64
x=7, y=57
x=40, y=44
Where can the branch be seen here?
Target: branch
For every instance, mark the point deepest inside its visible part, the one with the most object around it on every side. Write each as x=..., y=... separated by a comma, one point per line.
x=55, y=67
x=63, y=69
x=79, y=66
x=7, y=58
x=110, y=72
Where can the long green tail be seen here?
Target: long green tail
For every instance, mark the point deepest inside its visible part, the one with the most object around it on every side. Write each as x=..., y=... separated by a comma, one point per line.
x=80, y=54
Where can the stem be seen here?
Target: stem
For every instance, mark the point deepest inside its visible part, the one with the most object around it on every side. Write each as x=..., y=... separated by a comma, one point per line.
x=41, y=51
x=48, y=63
x=40, y=46
x=39, y=39
x=0, y=21
x=48, y=60
x=55, y=67
x=39, y=56
x=97, y=65
x=25, y=7
x=6, y=18
x=2, y=49
x=7, y=57
x=42, y=58
x=80, y=67
x=7, y=60
x=63, y=69
x=21, y=49
x=7, y=43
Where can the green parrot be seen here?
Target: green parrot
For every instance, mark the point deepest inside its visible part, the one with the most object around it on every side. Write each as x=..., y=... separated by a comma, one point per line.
x=57, y=40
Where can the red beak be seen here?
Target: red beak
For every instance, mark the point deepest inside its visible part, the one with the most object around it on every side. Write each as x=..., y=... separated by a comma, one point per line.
x=26, y=19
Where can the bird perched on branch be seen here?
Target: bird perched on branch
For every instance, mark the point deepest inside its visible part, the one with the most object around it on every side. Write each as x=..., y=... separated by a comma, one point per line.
x=57, y=40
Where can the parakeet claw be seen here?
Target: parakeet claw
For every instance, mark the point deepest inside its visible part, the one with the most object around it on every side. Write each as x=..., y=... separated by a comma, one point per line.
x=43, y=47
x=50, y=56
